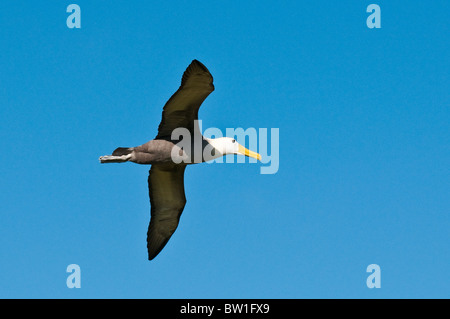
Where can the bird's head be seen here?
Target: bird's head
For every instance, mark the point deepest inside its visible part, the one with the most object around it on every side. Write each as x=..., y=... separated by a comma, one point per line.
x=228, y=145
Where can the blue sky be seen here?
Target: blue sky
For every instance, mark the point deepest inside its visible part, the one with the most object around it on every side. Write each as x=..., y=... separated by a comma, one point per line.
x=363, y=116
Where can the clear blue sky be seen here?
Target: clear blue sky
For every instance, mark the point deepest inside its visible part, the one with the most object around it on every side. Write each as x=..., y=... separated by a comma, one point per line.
x=364, y=171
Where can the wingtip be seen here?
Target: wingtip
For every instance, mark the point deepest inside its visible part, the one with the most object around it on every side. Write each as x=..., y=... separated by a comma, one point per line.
x=200, y=64
x=196, y=67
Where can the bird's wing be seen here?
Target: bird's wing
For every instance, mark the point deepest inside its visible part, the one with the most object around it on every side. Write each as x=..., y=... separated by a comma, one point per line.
x=182, y=108
x=167, y=200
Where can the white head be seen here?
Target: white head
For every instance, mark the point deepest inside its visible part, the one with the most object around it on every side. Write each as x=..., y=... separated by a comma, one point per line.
x=228, y=145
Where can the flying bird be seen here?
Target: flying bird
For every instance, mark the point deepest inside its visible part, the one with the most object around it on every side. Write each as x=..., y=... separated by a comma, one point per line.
x=170, y=153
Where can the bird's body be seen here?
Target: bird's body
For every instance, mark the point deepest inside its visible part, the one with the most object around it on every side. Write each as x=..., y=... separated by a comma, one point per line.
x=161, y=151
x=169, y=154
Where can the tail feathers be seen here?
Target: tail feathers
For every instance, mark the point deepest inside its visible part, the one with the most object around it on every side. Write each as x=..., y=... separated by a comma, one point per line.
x=120, y=155
x=122, y=151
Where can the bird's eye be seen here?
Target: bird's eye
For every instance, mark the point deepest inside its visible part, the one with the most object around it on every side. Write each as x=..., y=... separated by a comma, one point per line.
x=233, y=141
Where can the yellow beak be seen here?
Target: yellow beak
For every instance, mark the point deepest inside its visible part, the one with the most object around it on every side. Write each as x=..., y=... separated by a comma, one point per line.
x=246, y=152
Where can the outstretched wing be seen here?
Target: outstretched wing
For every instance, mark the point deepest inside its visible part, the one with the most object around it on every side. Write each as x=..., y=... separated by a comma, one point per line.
x=182, y=108
x=167, y=200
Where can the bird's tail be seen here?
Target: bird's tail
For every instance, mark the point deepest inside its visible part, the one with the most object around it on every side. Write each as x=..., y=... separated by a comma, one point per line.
x=120, y=155
x=122, y=151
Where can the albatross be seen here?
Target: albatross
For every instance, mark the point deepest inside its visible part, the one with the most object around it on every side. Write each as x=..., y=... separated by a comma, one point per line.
x=168, y=159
